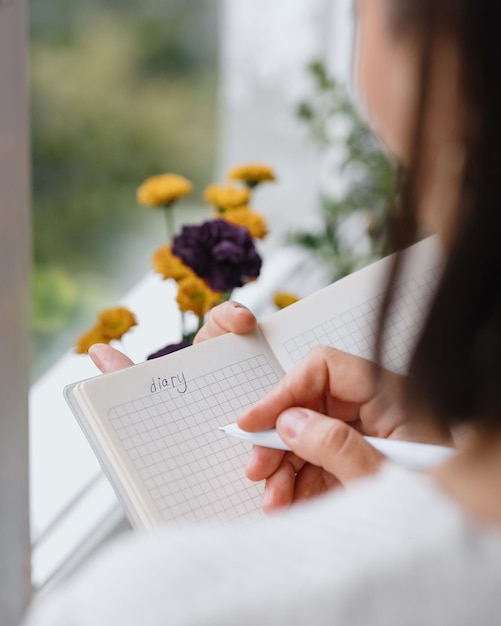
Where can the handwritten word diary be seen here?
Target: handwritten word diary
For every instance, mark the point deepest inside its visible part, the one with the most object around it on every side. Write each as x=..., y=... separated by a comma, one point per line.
x=176, y=381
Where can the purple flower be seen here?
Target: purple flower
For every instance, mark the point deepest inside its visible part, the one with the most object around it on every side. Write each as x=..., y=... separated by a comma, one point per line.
x=222, y=254
x=173, y=347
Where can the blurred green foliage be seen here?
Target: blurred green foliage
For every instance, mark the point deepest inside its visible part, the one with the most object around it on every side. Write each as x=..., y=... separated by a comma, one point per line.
x=368, y=174
x=120, y=90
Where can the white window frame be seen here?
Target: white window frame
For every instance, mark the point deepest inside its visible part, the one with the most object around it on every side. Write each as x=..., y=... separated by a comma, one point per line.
x=15, y=268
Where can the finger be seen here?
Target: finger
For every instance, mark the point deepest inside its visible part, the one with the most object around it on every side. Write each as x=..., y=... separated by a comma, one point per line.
x=279, y=487
x=263, y=462
x=327, y=380
x=229, y=317
x=384, y=412
x=107, y=359
x=312, y=481
x=384, y=416
x=328, y=443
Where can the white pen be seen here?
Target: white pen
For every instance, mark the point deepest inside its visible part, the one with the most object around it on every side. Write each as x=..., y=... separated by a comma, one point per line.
x=408, y=454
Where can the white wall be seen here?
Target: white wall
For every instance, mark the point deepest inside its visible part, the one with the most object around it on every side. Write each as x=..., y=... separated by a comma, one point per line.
x=14, y=312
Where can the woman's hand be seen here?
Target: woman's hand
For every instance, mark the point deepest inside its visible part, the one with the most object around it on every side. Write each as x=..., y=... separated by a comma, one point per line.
x=327, y=384
x=322, y=408
x=229, y=317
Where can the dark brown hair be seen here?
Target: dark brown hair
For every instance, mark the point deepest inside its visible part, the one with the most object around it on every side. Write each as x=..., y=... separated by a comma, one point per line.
x=455, y=370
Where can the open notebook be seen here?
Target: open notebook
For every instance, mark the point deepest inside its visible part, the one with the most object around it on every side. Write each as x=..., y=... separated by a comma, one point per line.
x=154, y=426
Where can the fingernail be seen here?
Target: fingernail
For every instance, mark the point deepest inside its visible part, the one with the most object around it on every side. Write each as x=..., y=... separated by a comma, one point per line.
x=292, y=422
x=237, y=305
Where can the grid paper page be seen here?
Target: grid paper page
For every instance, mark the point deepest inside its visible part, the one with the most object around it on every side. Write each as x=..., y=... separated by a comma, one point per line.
x=191, y=470
x=354, y=330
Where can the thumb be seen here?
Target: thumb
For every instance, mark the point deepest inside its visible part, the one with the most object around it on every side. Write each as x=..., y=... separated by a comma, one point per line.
x=107, y=359
x=328, y=443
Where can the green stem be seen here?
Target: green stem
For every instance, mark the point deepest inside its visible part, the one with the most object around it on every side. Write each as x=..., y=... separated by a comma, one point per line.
x=169, y=218
x=183, y=323
x=200, y=322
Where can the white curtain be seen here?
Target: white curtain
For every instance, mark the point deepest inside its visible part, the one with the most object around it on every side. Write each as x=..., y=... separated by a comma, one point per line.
x=266, y=46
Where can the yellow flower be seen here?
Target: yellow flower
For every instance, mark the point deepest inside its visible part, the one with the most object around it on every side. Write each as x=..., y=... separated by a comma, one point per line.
x=225, y=197
x=89, y=338
x=252, y=220
x=195, y=295
x=114, y=323
x=283, y=299
x=169, y=265
x=163, y=190
x=252, y=174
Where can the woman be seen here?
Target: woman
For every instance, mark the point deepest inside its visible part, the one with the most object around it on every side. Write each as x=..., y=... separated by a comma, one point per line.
x=396, y=547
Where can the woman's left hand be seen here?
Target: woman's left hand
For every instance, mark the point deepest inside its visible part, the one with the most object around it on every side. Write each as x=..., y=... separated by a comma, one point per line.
x=229, y=317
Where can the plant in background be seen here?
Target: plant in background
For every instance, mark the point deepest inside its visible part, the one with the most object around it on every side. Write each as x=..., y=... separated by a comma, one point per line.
x=111, y=324
x=162, y=192
x=370, y=179
x=222, y=254
x=226, y=197
x=206, y=261
x=90, y=152
x=252, y=174
x=232, y=203
x=283, y=299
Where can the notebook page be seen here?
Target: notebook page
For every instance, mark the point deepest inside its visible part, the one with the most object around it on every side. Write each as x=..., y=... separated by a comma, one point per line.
x=344, y=315
x=160, y=424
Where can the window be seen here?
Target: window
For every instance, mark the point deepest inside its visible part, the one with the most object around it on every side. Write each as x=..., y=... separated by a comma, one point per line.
x=168, y=115
x=120, y=90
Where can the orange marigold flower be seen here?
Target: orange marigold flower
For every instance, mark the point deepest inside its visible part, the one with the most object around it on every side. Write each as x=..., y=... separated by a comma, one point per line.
x=163, y=190
x=225, y=197
x=169, y=265
x=252, y=174
x=253, y=221
x=114, y=323
x=282, y=299
x=89, y=338
x=196, y=296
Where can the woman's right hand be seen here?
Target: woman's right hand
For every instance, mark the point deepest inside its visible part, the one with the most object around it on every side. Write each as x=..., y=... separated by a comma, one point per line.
x=321, y=409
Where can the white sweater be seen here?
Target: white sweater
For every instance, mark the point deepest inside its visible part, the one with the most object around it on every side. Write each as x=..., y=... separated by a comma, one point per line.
x=391, y=550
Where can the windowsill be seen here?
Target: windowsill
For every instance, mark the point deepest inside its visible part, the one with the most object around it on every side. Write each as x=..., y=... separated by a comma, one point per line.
x=73, y=507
